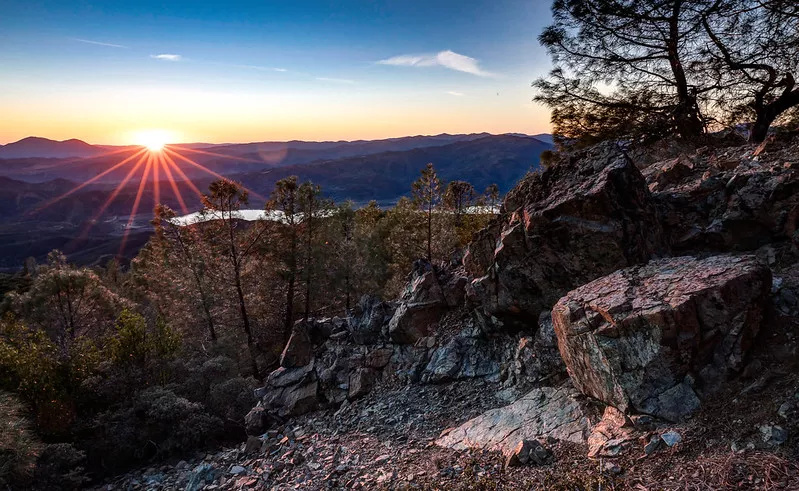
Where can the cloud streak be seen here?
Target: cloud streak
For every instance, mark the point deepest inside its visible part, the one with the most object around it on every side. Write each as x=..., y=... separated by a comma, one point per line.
x=455, y=93
x=336, y=80
x=98, y=43
x=167, y=57
x=447, y=59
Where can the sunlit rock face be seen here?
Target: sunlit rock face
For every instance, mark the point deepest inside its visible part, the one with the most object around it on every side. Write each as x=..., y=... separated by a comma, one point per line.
x=652, y=338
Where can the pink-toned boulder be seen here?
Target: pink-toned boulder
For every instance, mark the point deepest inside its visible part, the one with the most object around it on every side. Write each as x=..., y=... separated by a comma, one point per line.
x=652, y=338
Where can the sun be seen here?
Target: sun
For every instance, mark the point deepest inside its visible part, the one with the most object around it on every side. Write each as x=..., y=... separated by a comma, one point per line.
x=153, y=140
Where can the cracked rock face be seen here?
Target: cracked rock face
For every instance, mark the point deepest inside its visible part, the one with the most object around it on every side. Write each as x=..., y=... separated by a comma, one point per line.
x=642, y=338
x=545, y=412
x=577, y=221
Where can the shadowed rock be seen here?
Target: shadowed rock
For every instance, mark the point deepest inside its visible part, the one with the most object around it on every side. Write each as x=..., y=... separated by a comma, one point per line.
x=576, y=222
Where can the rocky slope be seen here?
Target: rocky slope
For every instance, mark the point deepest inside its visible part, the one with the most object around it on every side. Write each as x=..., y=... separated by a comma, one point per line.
x=627, y=323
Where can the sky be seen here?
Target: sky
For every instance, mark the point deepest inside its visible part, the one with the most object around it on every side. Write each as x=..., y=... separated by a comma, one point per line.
x=109, y=72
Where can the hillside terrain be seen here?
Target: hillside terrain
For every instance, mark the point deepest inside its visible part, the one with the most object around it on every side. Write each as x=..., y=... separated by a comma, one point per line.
x=628, y=322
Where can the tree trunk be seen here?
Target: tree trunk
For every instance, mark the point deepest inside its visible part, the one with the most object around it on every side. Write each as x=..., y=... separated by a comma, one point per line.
x=308, y=259
x=430, y=232
x=246, y=320
x=289, y=321
x=767, y=113
x=686, y=113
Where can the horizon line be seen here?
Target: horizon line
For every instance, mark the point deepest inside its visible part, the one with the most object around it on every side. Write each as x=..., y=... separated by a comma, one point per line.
x=420, y=135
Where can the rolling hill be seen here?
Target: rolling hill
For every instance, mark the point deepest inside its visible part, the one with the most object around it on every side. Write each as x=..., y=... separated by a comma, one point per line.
x=33, y=146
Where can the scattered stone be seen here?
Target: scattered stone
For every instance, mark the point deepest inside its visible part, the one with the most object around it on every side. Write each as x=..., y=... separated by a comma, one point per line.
x=201, y=475
x=652, y=445
x=671, y=438
x=773, y=435
x=237, y=469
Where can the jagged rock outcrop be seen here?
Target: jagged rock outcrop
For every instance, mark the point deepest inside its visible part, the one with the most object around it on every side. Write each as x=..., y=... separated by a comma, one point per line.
x=430, y=292
x=728, y=199
x=645, y=339
x=371, y=314
x=559, y=413
x=582, y=219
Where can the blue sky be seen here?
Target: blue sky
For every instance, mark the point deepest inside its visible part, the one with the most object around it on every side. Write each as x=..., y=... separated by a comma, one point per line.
x=244, y=71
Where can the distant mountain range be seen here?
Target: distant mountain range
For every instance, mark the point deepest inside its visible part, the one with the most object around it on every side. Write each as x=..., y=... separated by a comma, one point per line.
x=34, y=146
x=380, y=170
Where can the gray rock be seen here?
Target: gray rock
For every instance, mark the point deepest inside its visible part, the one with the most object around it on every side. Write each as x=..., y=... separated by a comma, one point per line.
x=283, y=377
x=370, y=316
x=773, y=435
x=468, y=357
x=256, y=422
x=413, y=321
x=671, y=438
x=542, y=413
x=299, y=349
x=237, y=470
x=361, y=382
x=652, y=445
x=632, y=339
x=528, y=452
x=201, y=475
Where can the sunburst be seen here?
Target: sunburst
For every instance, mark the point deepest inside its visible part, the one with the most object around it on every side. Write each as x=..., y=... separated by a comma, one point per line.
x=154, y=160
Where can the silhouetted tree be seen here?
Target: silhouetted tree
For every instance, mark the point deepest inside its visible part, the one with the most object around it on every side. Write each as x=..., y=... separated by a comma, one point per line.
x=754, y=48
x=285, y=201
x=458, y=197
x=621, y=67
x=426, y=196
x=221, y=207
x=312, y=206
x=182, y=245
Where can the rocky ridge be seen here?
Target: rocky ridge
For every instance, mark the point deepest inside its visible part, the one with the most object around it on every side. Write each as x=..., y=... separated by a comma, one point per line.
x=591, y=336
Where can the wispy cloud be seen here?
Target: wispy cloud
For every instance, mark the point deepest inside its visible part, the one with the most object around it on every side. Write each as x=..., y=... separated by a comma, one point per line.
x=336, y=80
x=280, y=69
x=447, y=59
x=167, y=57
x=98, y=43
x=452, y=92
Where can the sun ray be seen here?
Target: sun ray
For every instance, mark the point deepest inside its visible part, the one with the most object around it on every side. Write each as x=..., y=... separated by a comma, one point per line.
x=212, y=154
x=172, y=183
x=136, y=202
x=183, y=176
x=61, y=163
x=215, y=174
x=111, y=197
x=156, y=177
x=86, y=183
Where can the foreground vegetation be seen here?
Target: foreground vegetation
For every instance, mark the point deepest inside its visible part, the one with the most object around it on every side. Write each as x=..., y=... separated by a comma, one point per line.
x=106, y=368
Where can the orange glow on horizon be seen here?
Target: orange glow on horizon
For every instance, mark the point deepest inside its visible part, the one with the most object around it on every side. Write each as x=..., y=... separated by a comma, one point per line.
x=157, y=165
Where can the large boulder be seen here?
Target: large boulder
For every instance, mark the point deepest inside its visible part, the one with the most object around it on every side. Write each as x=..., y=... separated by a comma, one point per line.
x=646, y=338
x=547, y=412
x=577, y=221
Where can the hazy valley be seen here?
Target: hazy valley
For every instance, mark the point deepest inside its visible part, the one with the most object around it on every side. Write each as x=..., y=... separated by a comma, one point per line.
x=360, y=171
